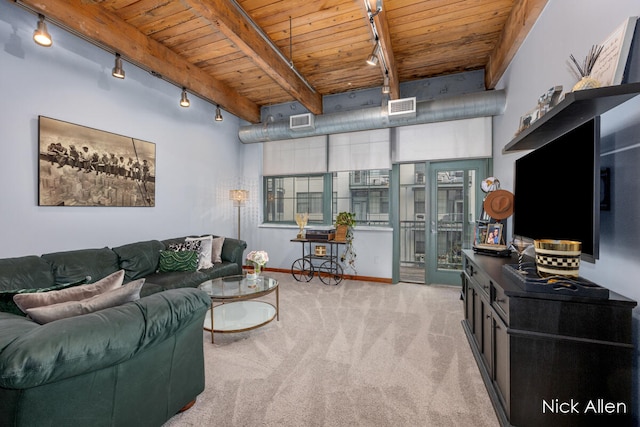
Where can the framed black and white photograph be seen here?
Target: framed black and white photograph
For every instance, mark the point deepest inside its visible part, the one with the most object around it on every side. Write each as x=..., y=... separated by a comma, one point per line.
x=82, y=166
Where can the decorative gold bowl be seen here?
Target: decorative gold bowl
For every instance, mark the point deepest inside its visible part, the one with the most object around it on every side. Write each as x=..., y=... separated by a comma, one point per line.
x=558, y=257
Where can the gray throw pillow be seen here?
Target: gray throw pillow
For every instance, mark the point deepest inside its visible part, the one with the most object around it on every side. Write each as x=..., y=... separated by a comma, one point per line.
x=216, y=249
x=63, y=310
x=76, y=293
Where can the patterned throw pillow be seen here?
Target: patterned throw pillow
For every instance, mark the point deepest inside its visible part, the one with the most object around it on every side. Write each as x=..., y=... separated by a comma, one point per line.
x=178, y=261
x=204, y=258
x=190, y=245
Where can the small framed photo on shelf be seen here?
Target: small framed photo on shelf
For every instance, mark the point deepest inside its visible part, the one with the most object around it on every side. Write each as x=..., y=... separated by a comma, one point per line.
x=481, y=234
x=549, y=99
x=494, y=234
x=529, y=118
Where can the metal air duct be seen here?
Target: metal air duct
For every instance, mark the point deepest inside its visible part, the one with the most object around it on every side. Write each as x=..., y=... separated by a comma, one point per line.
x=477, y=104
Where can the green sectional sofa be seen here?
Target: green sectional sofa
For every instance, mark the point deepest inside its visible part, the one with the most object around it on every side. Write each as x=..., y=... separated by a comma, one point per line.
x=136, y=364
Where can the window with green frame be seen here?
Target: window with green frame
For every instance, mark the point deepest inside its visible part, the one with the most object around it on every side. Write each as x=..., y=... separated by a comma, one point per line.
x=365, y=192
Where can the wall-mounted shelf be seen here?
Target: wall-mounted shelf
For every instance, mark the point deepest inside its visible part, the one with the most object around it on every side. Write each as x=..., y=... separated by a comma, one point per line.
x=574, y=110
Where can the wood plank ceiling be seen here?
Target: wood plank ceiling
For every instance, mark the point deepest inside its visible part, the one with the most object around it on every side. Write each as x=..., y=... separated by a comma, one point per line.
x=223, y=50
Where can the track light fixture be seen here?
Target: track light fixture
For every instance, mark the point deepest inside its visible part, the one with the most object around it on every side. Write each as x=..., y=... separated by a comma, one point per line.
x=118, y=71
x=385, y=85
x=373, y=58
x=218, y=114
x=41, y=35
x=184, y=101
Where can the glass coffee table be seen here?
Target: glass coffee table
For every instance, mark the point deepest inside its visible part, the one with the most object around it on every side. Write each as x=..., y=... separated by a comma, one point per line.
x=237, y=312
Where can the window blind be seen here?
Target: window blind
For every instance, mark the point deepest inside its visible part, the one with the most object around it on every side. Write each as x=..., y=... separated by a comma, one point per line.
x=363, y=150
x=295, y=156
x=458, y=139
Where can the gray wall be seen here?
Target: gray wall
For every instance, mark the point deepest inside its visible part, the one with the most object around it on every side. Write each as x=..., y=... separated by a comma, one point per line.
x=572, y=27
x=198, y=160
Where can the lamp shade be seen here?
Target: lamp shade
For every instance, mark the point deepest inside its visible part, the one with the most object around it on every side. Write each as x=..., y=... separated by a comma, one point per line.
x=238, y=196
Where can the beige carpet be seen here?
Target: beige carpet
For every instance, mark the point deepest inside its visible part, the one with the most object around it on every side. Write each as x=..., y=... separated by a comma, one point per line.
x=356, y=354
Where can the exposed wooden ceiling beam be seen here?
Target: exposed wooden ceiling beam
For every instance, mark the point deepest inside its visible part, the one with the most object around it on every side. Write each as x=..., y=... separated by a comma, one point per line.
x=241, y=32
x=382, y=26
x=108, y=31
x=520, y=21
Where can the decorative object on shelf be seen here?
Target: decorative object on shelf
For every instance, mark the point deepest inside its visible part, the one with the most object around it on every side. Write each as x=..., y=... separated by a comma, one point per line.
x=301, y=220
x=558, y=257
x=611, y=65
x=584, y=70
x=549, y=99
x=321, y=250
x=259, y=259
x=490, y=184
x=521, y=245
x=528, y=119
x=345, y=223
x=238, y=197
x=499, y=204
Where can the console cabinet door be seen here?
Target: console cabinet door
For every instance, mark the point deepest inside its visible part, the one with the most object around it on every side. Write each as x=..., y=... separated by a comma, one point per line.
x=487, y=335
x=501, y=363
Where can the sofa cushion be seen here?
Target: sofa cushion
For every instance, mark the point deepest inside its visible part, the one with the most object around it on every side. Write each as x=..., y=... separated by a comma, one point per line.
x=216, y=249
x=178, y=261
x=191, y=245
x=8, y=305
x=139, y=259
x=72, y=266
x=204, y=253
x=28, y=272
x=115, y=297
x=25, y=301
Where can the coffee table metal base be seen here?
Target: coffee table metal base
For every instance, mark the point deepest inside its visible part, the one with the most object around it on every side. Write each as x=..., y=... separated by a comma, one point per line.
x=239, y=316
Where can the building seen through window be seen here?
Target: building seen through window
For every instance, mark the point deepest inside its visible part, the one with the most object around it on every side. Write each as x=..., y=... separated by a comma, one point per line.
x=366, y=193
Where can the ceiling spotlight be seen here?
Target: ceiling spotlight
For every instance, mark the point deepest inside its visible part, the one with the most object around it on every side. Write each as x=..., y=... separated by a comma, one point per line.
x=218, y=114
x=385, y=86
x=41, y=35
x=184, y=101
x=373, y=58
x=118, y=71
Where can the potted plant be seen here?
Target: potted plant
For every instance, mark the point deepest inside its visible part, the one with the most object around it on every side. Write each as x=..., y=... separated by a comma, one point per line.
x=345, y=222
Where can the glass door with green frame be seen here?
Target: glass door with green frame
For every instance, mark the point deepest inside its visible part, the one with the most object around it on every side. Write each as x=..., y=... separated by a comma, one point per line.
x=454, y=205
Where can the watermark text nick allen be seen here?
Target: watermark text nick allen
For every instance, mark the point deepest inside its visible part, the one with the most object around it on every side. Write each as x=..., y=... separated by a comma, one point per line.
x=593, y=406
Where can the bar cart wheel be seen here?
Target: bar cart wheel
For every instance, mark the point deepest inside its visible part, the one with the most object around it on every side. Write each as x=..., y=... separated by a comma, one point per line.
x=330, y=272
x=302, y=270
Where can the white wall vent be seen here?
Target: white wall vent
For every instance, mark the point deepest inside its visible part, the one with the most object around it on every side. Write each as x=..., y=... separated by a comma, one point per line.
x=301, y=122
x=405, y=107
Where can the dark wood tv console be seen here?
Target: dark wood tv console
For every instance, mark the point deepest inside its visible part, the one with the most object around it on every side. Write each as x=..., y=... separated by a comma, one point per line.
x=548, y=359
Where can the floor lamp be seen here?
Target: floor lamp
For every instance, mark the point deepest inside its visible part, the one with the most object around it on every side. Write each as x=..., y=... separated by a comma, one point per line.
x=238, y=197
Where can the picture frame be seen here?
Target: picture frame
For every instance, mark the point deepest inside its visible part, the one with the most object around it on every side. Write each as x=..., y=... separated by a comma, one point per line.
x=529, y=118
x=549, y=99
x=610, y=67
x=82, y=166
x=494, y=234
x=480, y=234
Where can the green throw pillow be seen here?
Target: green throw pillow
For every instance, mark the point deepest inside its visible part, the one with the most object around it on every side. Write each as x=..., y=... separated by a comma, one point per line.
x=178, y=261
x=6, y=297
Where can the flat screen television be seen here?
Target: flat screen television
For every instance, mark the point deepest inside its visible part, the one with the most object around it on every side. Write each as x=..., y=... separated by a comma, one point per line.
x=557, y=190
